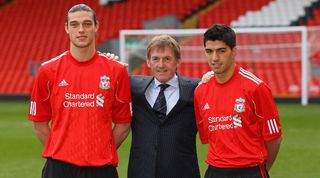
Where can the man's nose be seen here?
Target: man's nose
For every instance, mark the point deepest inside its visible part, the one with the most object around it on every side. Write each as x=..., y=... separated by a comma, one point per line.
x=161, y=63
x=81, y=28
x=214, y=56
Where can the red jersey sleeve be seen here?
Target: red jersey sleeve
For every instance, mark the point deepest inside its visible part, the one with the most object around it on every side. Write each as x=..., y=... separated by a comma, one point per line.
x=199, y=120
x=40, y=108
x=266, y=109
x=122, y=105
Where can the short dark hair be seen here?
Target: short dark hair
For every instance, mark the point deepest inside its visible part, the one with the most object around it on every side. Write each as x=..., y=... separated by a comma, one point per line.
x=161, y=42
x=220, y=32
x=82, y=7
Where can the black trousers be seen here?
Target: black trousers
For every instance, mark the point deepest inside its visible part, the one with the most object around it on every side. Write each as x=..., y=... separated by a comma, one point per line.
x=59, y=169
x=250, y=172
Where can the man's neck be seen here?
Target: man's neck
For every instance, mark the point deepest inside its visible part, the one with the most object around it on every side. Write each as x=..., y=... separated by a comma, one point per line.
x=224, y=77
x=82, y=54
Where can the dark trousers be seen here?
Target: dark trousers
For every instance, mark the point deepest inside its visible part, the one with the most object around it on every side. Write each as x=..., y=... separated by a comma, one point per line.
x=59, y=169
x=250, y=172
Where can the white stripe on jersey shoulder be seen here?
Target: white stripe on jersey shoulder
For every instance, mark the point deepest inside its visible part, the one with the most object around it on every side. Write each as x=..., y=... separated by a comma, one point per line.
x=249, y=76
x=105, y=56
x=54, y=59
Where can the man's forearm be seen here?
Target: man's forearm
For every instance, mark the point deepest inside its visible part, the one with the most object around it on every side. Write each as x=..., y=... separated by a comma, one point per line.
x=42, y=131
x=273, y=148
x=120, y=133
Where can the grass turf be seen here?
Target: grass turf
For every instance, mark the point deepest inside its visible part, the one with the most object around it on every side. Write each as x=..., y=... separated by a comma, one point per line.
x=20, y=151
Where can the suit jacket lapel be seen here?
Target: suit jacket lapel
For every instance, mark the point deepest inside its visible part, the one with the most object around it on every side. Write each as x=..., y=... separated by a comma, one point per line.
x=184, y=95
x=145, y=82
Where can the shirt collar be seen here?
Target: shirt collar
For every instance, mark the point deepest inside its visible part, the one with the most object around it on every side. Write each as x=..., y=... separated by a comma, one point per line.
x=173, y=82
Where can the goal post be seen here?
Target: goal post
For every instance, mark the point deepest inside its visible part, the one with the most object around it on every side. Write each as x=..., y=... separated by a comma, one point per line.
x=278, y=55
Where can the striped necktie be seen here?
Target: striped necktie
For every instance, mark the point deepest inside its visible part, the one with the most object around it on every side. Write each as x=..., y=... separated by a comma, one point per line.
x=160, y=106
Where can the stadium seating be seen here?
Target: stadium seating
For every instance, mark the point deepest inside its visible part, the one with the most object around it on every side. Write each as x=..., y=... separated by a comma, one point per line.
x=35, y=31
x=284, y=77
x=276, y=13
x=225, y=11
x=316, y=20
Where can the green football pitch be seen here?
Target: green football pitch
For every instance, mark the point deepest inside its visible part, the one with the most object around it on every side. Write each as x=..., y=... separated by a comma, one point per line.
x=299, y=156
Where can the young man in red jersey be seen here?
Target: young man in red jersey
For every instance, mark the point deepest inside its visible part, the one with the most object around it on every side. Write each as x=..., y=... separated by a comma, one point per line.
x=76, y=98
x=235, y=112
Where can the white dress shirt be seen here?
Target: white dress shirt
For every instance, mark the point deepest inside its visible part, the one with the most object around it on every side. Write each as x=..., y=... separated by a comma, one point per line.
x=172, y=93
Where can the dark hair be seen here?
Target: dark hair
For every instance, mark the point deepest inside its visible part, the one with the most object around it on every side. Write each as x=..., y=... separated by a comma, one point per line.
x=220, y=32
x=82, y=7
x=161, y=42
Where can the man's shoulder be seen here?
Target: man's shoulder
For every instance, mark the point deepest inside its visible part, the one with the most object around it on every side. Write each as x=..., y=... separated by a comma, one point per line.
x=110, y=62
x=203, y=87
x=139, y=82
x=189, y=80
x=248, y=80
x=54, y=60
x=140, y=78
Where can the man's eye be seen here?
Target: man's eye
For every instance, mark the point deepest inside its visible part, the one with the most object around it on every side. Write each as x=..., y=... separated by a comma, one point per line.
x=208, y=51
x=166, y=59
x=87, y=24
x=73, y=25
x=222, y=51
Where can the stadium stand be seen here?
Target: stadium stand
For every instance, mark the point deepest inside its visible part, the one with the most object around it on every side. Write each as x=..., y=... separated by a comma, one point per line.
x=283, y=76
x=276, y=13
x=34, y=33
x=4, y=2
x=225, y=11
x=316, y=20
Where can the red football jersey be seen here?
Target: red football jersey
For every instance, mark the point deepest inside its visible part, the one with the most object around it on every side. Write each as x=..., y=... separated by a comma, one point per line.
x=81, y=99
x=236, y=118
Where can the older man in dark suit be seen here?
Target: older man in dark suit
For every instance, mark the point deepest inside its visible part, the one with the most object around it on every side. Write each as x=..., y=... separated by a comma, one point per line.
x=163, y=125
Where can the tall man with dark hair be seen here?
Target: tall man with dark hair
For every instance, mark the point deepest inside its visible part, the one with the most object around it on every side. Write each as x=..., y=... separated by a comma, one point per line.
x=76, y=98
x=163, y=124
x=236, y=114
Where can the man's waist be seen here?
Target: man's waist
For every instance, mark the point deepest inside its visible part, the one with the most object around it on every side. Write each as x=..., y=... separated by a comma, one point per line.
x=83, y=163
x=76, y=165
x=239, y=170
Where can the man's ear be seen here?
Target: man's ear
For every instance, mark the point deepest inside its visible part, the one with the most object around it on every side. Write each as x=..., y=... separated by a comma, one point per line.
x=178, y=62
x=97, y=26
x=148, y=62
x=234, y=51
x=66, y=28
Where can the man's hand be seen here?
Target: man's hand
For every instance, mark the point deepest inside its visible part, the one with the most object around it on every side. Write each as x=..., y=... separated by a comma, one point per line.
x=115, y=58
x=112, y=56
x=206, y=77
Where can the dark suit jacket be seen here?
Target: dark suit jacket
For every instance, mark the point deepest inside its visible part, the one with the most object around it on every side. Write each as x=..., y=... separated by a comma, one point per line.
x=163, y=149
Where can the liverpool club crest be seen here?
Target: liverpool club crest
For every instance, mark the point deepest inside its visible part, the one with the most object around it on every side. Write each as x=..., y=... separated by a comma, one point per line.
x=239, y=105
x=104, y=82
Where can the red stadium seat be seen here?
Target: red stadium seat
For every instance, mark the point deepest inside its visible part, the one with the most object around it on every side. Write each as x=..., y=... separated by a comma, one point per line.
x=44, y=37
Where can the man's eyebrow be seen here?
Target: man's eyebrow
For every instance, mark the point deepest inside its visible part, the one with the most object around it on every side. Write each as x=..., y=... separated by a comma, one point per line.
x=216, y=48
x=75, y=21
x=88, y=21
